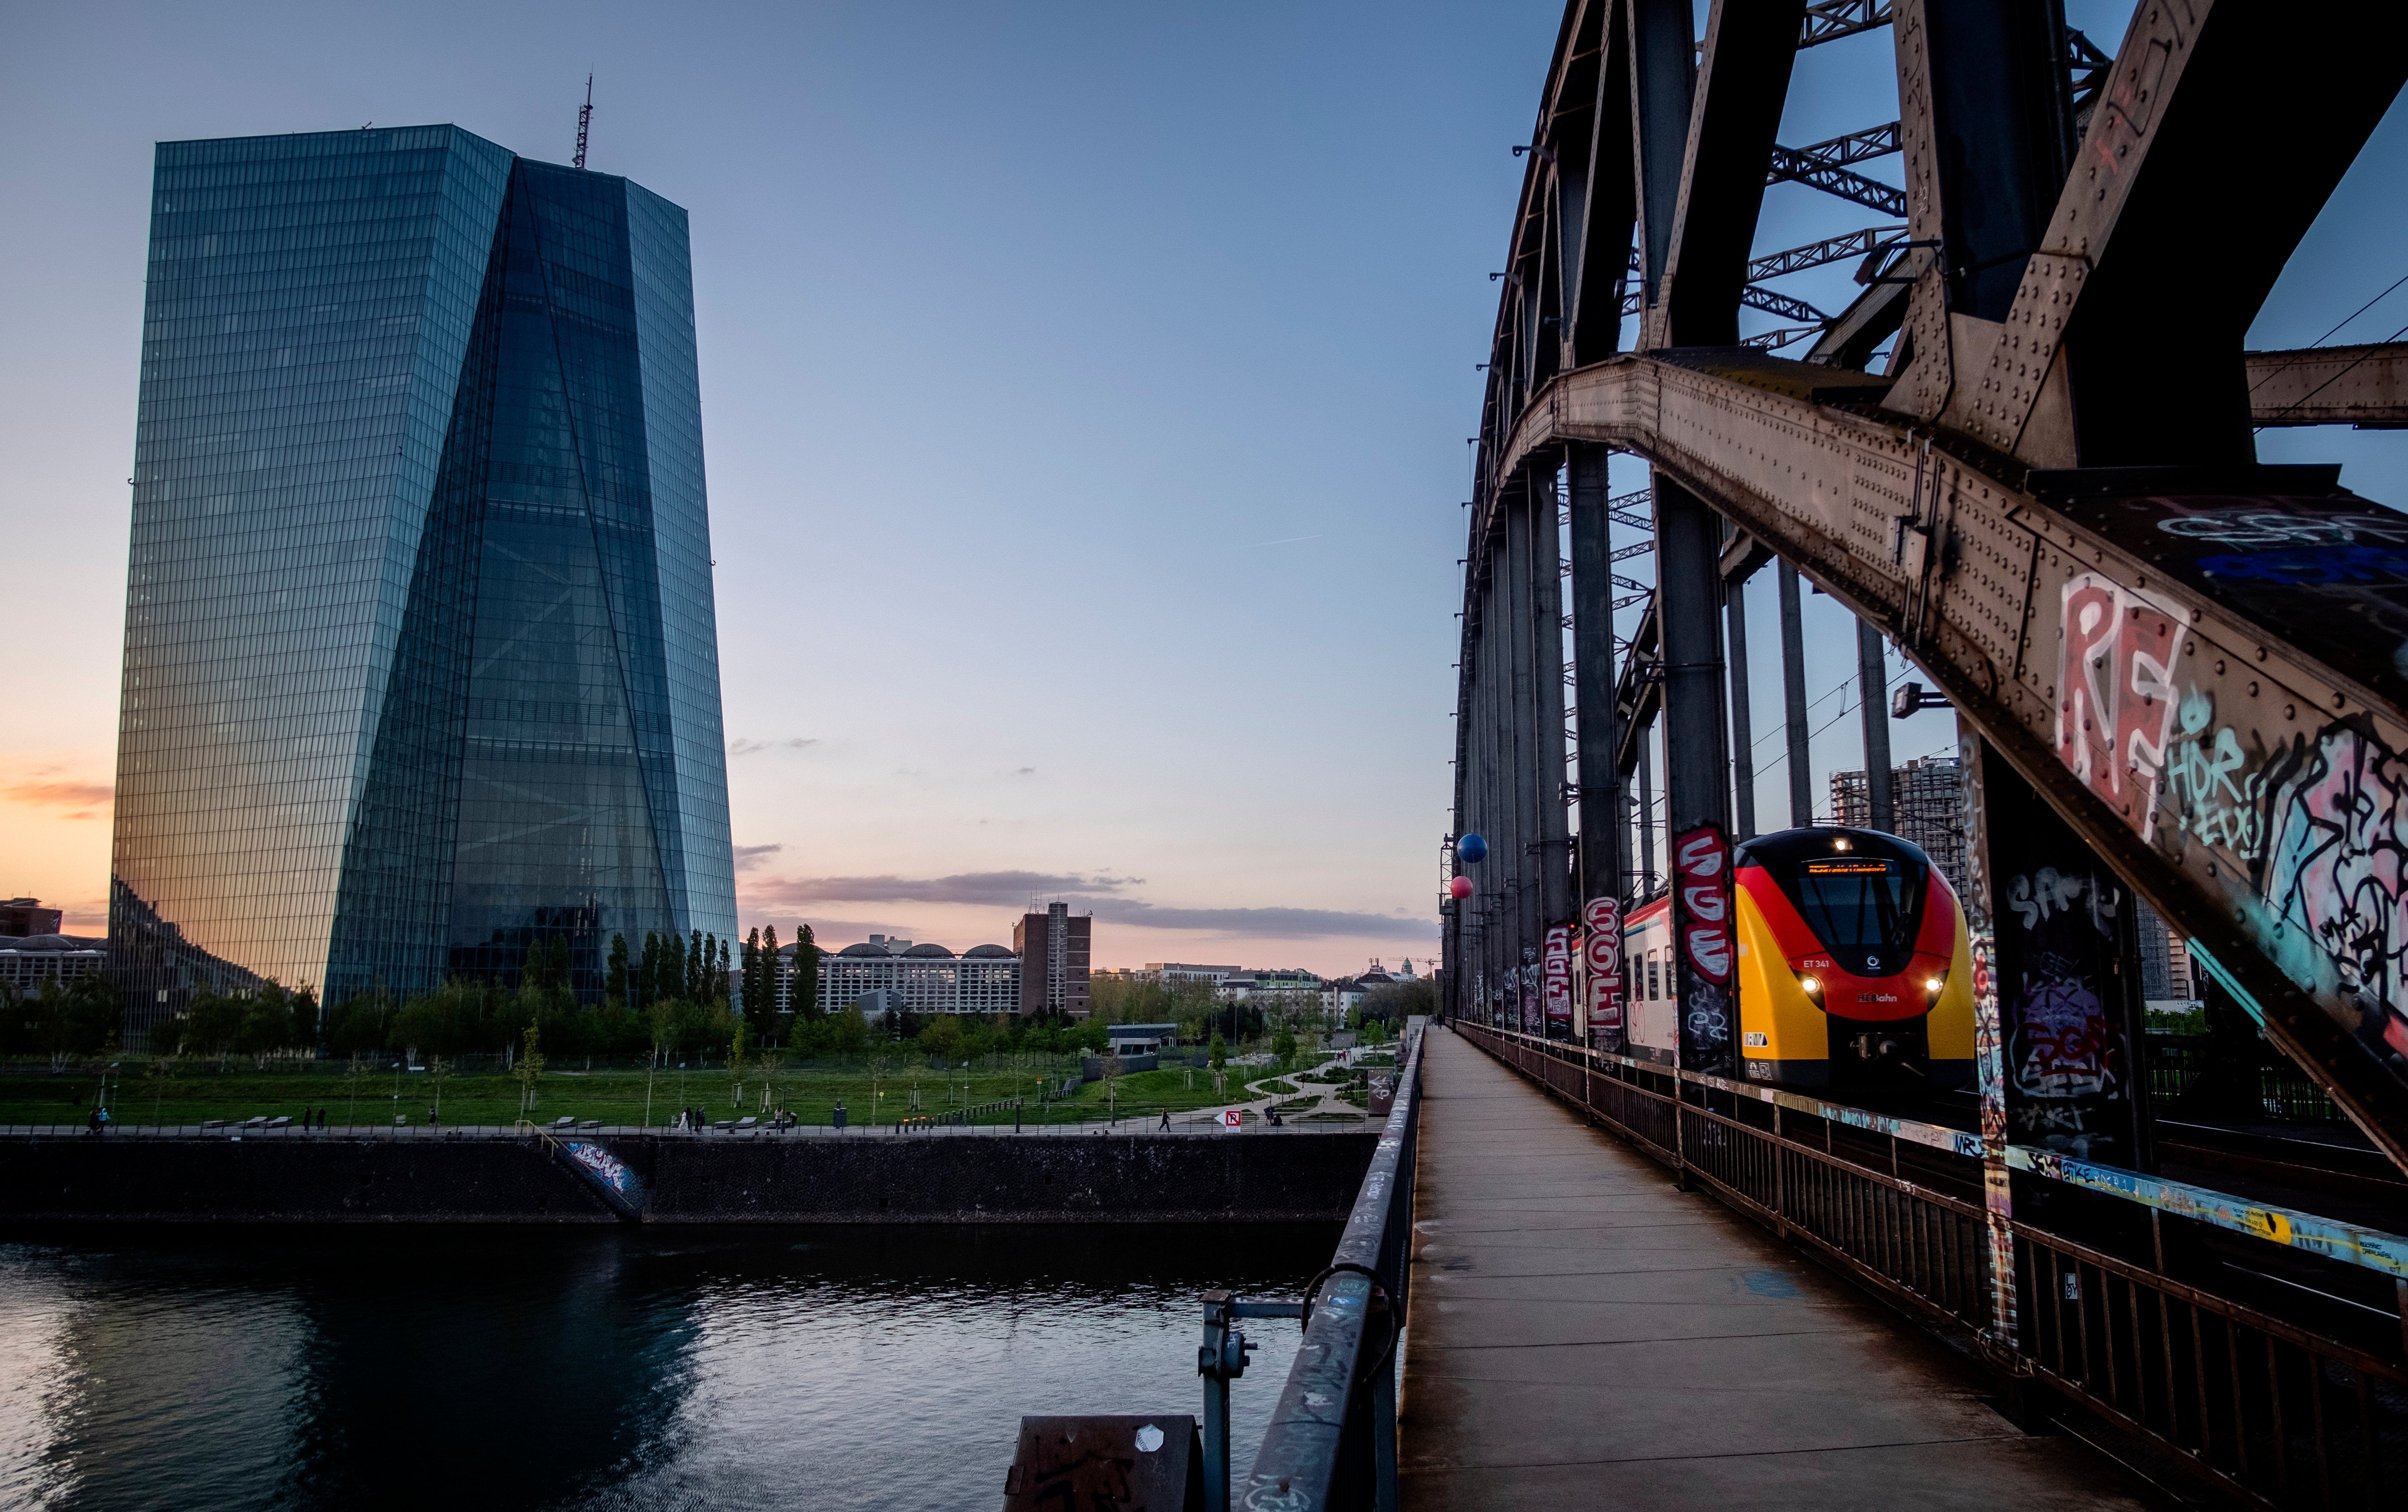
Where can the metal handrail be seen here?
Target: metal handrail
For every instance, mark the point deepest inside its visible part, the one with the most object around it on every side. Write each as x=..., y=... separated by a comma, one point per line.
x=2274, y=1411
x=1332, y=1439
x=2370, y=1248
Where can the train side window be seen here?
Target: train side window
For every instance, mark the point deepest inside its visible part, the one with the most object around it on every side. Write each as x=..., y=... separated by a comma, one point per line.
x=1653, y=991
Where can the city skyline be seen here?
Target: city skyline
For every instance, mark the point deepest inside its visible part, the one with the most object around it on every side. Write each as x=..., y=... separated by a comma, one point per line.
x=1170, y=401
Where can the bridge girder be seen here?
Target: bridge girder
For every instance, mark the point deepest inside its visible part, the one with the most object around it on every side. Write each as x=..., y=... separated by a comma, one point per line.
x=2051, y=504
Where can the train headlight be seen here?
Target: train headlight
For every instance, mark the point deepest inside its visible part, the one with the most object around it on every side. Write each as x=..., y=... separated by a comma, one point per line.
x=1812, y=987
x=1933, y=984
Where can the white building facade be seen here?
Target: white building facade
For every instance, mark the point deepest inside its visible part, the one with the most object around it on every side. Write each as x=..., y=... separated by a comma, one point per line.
x=924, y=979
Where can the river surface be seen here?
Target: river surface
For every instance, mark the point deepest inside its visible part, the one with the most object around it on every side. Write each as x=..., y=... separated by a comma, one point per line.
x=719, y=1369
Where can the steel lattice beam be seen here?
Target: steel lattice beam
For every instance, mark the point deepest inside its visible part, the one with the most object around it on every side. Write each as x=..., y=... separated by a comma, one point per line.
x=1822, y=166
x=1827, y=20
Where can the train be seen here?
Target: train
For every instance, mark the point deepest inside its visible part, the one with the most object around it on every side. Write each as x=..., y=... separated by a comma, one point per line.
x=1855, y=971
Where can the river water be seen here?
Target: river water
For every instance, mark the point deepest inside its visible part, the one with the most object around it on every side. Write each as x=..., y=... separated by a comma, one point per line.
x=720, y=1369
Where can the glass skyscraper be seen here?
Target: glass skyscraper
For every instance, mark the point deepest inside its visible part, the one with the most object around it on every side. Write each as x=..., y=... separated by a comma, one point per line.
x=422, y=666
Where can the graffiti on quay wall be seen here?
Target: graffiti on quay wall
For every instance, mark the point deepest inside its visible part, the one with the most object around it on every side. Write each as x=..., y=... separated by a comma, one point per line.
x=1702, y=916
x=2115, y=701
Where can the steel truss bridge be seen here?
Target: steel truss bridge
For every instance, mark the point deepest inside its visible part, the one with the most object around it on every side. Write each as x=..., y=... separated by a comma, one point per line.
x=2179, y=673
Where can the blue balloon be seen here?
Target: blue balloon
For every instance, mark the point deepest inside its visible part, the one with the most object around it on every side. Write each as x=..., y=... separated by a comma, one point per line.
x=1471, y=847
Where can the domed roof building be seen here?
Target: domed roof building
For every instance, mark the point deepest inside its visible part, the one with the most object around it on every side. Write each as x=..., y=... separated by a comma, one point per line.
x=889, y=970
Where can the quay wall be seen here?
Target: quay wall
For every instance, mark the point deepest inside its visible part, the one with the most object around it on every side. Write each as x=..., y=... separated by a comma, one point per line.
x=1118, y=1178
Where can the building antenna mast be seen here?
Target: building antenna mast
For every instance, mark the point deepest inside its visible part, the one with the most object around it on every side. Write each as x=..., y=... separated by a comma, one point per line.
x=584, y=115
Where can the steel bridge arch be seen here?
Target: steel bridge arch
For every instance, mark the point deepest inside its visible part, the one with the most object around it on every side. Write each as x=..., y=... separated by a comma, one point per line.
x=2062, y=440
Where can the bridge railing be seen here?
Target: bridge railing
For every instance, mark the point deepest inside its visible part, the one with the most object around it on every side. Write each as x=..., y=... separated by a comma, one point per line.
x=2273, y=1408
x=1332, y=1439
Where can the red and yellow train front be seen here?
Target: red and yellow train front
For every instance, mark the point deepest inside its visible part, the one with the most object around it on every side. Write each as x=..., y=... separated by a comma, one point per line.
x=1855, y=969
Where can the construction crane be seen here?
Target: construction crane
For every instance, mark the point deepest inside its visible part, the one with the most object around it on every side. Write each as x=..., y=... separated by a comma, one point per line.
x=585, y=116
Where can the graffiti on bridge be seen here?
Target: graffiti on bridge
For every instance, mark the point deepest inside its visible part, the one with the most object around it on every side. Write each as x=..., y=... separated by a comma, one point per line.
x=2313, y=827
x=2336, y=871
x=2067, y=1063
x=1702, y=919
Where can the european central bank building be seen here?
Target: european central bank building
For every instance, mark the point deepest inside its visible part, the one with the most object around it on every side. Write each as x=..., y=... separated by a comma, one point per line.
x=422, y=668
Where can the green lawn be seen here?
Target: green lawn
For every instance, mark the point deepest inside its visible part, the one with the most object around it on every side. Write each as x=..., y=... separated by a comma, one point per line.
x=616, y=1096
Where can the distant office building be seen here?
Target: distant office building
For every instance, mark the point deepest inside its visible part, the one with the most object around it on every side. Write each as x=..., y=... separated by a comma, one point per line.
x=421, y=661
x=2167, y=982
x=1053, y=947
x=1167, y=971
x=1283, y=983
x=28, y=961
x=27, y=915
x=1927, y=805
x=921, y=979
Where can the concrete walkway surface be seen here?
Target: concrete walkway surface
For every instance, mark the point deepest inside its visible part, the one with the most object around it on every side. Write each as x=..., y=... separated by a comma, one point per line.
x=1583, y=1334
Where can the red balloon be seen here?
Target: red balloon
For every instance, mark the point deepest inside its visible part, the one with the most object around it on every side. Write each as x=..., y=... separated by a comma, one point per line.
x=1460, y=887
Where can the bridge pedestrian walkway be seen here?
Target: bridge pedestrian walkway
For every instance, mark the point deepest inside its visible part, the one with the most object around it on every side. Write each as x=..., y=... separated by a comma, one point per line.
x=1585, y=1335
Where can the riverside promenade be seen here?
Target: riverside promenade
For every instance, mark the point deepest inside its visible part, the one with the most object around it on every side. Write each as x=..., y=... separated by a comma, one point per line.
x=1583, y=1334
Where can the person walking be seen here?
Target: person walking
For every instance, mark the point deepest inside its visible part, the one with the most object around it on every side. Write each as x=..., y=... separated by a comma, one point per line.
x=1166, y=1120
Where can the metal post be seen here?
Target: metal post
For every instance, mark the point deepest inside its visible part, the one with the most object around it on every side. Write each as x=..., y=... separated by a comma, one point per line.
x=1647, y=811
x=1696, y=777
x=1220, y=1359
x=1989, y=1044
x=1604, y=827
x=1742, y=734
x=1523, y=902
x=1553, y=901
x=1872, y=672
x=1793, y=698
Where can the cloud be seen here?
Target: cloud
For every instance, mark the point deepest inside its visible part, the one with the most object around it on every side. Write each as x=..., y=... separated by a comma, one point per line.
x=990, y=888
x=1024, y=772
x=1098, y=895
x=746, y=747
x=81, y=800
x=1266, y=923
x=750, y=856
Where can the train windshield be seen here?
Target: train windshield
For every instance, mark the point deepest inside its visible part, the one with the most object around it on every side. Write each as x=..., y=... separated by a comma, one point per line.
x=1860, y=903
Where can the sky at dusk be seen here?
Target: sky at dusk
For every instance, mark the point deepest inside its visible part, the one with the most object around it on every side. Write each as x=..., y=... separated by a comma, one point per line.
x=1084, y=394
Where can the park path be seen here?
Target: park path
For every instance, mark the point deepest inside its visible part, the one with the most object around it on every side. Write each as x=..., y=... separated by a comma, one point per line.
x=1583, y=1334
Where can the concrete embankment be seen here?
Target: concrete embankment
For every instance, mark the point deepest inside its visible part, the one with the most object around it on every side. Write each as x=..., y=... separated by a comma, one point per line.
x=1124, y=1178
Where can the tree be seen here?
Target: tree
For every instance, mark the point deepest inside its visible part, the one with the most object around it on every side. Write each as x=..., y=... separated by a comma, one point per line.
x=163, y=1068
x=303, y=1033
x=615, y=987
x=805, y=991
x=693, y=986
x=736, y=1069
x=851, y=1029
x=439, y=1072
x=942, y=1038
x=1219, y=1051
x=529, y=1069
x=719, y=978
x=769, y=971
x=752, y=971
x=265, y=1025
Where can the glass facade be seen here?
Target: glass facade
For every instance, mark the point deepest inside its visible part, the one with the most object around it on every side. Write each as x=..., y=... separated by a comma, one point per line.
x=421, y=663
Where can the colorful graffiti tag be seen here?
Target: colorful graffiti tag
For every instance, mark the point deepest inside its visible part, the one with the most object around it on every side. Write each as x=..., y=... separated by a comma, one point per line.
x=2336, y=871
x=2066, y=1062
x=1702, y=918
x=2116, y=704
x=1602, y=947
x=1556, y=981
